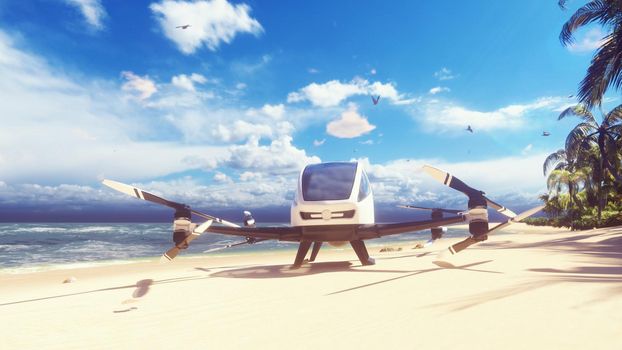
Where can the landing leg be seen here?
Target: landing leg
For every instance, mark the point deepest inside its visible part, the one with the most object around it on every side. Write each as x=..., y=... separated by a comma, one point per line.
x=316, y=249
x=361, y=252
x=303, y=248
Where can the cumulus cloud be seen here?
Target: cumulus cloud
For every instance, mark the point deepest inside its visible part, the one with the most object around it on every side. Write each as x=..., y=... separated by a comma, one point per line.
x=590, y=41
x=333, y=92
x=80, y=131
x=274, y=111
x=510, y=180
x=187, y=82
x=222, y=177
x=92, y=10
x=141, y=87
x=349, y=125
x=450, y=117
x=280, y=156
x=213, y=22
x=444, y=74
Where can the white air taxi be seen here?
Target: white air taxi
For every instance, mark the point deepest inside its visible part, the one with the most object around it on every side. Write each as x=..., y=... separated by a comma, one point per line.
x=334, y=204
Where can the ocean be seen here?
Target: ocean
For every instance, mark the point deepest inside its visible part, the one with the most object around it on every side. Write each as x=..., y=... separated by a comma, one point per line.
x=27, y=247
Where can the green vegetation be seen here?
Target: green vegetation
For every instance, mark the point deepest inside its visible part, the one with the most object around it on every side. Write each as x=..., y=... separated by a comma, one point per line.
x=584, y=179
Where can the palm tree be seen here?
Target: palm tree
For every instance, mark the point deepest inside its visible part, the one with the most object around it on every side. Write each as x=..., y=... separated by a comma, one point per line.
x=589, y=133
x=571, y=180
x=605, y=69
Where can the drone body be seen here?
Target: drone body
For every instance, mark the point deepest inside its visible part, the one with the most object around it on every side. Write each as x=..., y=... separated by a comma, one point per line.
x=334, y=204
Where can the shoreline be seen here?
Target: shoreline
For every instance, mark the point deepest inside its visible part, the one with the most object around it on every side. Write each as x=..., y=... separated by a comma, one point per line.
x=255, y=250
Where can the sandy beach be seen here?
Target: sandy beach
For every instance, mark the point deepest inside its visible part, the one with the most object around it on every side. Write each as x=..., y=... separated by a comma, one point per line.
x=531, y=288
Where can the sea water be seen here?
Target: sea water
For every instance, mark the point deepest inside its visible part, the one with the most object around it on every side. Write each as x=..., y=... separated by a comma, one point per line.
x=28, y=247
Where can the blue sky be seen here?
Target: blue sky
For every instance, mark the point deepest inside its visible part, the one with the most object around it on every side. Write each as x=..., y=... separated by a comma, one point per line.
x=225, y=113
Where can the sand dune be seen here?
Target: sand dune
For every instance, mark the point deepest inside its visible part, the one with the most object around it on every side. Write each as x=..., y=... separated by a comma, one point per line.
x=534, y=288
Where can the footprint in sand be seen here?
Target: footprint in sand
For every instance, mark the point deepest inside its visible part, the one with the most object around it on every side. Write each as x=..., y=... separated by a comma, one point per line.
x=142, y=288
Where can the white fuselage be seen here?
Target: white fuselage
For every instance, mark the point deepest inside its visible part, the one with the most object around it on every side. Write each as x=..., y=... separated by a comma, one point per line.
x=336, y=193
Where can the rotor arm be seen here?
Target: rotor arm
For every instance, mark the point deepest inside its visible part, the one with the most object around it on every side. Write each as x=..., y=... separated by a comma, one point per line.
x=381, y=230
x=278, y=233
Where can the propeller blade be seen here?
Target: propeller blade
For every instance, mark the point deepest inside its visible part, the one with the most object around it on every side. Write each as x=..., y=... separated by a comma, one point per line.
x=462, y=245
x=150, y=197
x=140, y=194
x=172, y=253
x=449, y=180
x=451, y=211
x=501, y=209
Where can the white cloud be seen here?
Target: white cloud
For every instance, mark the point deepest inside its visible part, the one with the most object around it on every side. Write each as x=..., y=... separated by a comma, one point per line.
x=510, y=181
x=144, y=86
x=222, y=178
x=527, y=149
x=92, y=10
x=444, y=74
x=278, y=157
x=274, y=111
x=349, y=125
x=240, y=86
x=81, y=130
x=592, y=40
x=212, y=22
x=250, y=176
x=313, y=70
x=333, y=92
x=372, y=71
x=438, y=89
x=450, y=117
x=318, y=143
x=187, y=82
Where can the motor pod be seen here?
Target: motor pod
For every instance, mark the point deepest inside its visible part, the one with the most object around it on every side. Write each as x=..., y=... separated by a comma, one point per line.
x=249, y=221
x=182, y=227
x=478, y=217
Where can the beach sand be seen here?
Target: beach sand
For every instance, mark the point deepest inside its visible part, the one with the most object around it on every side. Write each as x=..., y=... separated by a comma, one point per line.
x=532, y=288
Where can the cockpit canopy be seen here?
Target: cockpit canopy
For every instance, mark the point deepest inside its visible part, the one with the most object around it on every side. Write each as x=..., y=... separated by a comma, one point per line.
x=332, y=181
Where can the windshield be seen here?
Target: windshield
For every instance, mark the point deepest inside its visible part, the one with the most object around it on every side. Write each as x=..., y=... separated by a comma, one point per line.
x=328, y=181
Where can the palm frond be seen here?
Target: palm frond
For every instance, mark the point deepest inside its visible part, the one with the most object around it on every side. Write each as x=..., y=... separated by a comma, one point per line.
x=580, y=111
x=590, y=12
x=613, y=117
x=581, y=137
x=599, y=74
x=554, y=160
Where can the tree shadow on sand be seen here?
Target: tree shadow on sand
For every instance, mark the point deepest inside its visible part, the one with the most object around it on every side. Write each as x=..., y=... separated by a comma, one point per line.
x=603, y=252
x=141, y=287
x=442, y=266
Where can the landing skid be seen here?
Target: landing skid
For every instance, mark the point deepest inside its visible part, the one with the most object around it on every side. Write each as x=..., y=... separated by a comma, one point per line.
x=303, y=249
x=361, y=252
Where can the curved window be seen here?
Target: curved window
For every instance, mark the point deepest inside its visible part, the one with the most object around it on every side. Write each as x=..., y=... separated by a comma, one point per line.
x=364, y=189
x=328, y=181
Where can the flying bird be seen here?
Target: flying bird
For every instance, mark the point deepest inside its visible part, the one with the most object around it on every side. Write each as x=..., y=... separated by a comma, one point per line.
x=469, y=128
x=546, y=133
x=185, y=26
x=375, y=100
x=570, y=96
